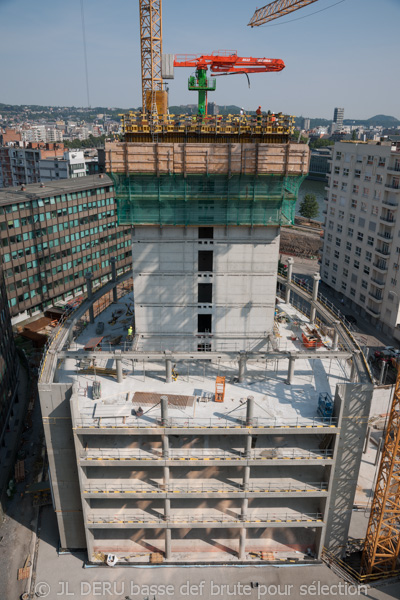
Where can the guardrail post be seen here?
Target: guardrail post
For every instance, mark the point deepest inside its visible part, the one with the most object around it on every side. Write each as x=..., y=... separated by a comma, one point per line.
x=290, y=262
x=313, y=311
x=89, y=277
x=113, y=261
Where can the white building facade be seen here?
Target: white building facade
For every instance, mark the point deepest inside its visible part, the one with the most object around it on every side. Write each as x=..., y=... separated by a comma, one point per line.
x=361, y=246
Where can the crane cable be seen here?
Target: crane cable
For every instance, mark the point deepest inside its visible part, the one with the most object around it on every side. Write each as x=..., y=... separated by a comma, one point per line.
x=85, y=53
x=305, y=17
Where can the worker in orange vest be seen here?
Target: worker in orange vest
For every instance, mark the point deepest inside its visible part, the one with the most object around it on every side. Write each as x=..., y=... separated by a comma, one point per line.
x=259, y=113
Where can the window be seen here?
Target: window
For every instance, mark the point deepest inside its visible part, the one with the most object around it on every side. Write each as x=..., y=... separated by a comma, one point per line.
x=344, y=285
x=345, y=272
x=333, y=279
x=358, y=251
x=347, y=259
x=337, y=170
x=367, y=177
x=370, y=160
x=382, y=161
x=332, y=211
x=338, y=242
x=205, y=260
x=334, y=267
x=334, y=197
x=362, y=297
x=327, y=262
x=330, y=224
x=353, y=203
x=366, y=270
x=352, y=218
x=368, y=256
x=393, y=281
x=355, y=189
x=365, y=192
x=350, y=232
x=206, y=233
x=341, y=214
x=370, y=240
x=338, y=155
x=378, y=179
x=335, y=184
x=345, y=172
x=204, y=293
x=337, y=254
x=356, y=264
x=363, y=207
x=344, y=186
x=364, y=284
x=352, y=292
x=357, y=174
x=204, y=323
x=360, y=236
x=329, y=237
x=339, y=228
x=377, y=195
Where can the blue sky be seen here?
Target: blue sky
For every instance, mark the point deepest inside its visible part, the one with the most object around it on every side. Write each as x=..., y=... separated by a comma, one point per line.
x=345, y=56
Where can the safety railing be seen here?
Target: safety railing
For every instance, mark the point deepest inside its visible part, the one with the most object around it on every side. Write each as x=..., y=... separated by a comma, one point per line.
x=213, y=422
x=293, y=517
x=215, y=454
x=206, y=488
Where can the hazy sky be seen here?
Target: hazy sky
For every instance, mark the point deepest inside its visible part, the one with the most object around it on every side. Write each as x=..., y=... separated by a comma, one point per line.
x=347, y=55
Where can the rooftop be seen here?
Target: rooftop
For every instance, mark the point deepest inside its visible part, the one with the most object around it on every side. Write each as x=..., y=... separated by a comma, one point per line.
x=191, y=394
x=31, y=191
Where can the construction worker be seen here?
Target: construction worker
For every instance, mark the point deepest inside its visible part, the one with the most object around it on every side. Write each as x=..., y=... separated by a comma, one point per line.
x=259, y=113
x=130, y=331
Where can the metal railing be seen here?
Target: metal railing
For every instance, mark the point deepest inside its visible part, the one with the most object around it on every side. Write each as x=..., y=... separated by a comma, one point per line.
x=204, y=518
x=203, y=423
x=206, y=488
x=216, y=454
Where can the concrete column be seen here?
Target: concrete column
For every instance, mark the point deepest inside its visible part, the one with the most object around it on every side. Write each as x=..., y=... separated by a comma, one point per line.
x=248, y=446
x=353, y=372
x=246, y=477
x=113, y=262
x=165, y=446
x=167, y=508
x=335, y=341
x=118, y=360
x=166, y=477
x=290, y=262
x=313, y=311
x=242, y=365
x=290, y=376
x=249, y=411
x=242, y=544
x=168, y=550
x=245, y=506
x=168, y=370
x=89, y=277
x=164, y=411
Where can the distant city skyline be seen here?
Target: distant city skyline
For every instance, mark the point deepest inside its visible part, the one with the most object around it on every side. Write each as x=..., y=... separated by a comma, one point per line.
x=330, y=60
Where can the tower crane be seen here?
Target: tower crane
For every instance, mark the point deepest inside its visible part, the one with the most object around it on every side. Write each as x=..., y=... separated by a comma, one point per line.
x=276, y=9
x=223, y=62
x=150, y=12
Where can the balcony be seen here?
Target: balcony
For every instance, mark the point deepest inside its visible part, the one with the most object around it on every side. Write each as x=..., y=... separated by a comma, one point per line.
x=373, y=311
x=377, y=282
x=390, y=203
x=395, y=168
x=382, y=251
x=375, y=296
x=381, y=267
x=384, y=235
x=393, y=186
x=387, y=220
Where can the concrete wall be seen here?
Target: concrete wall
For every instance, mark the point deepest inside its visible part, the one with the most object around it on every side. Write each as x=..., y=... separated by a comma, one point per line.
x=352, y=407
x=57, y=423
x=243, y=277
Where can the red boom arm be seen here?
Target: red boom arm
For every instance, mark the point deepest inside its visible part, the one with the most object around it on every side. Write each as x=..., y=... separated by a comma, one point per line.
x=228, y=62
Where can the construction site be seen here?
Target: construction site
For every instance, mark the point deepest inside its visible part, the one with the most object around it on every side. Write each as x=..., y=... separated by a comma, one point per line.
x=217, y=412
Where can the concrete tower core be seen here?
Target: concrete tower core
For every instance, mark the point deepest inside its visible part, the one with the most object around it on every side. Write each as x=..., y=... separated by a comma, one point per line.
x=205, y=240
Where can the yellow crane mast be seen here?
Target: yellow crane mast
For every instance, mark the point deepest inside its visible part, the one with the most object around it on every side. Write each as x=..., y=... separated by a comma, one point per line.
x=276, y=9
x=382, y=542
x=151, y=53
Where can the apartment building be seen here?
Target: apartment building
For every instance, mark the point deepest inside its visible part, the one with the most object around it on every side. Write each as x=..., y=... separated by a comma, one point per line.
x=51, y=234
x=20, y=162
x=361, y=249
x=338, y=116
x=71, y=165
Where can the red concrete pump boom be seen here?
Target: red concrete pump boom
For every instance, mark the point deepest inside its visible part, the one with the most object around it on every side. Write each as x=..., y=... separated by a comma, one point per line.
x=227, y=61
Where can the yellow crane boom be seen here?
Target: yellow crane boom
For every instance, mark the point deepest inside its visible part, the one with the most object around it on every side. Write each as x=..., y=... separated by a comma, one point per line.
x=151, y=52
x=276, y=9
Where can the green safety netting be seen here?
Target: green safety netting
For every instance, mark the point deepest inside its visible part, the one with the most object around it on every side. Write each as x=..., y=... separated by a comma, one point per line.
x=206, y=199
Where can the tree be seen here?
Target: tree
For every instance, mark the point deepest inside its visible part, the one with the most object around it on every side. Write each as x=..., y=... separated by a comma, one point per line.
x=309, y=208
